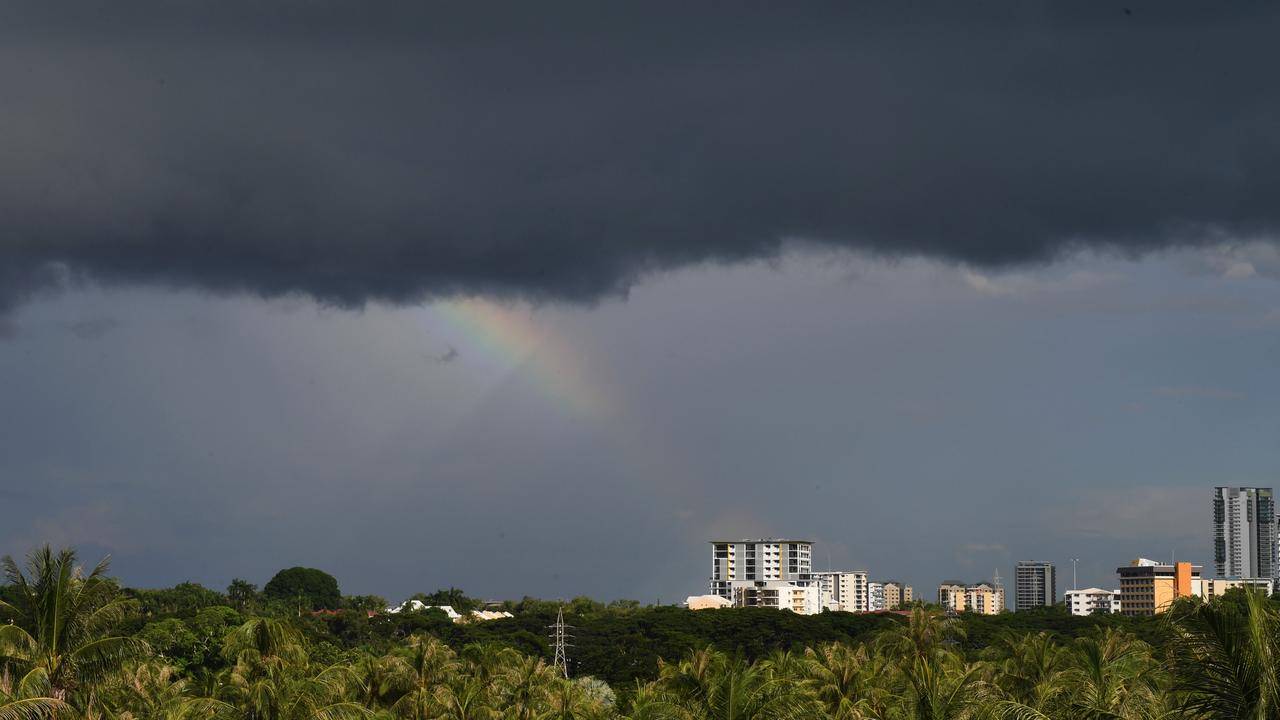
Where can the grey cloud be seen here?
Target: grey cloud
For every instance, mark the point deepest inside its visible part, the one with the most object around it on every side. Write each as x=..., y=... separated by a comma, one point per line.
x=92, y=328
x=409, y=150
x=1193, y=391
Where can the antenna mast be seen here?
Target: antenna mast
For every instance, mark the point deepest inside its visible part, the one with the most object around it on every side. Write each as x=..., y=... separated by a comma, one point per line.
x=560, y=640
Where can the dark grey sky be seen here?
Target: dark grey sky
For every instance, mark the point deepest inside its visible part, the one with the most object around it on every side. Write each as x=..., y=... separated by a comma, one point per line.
x=535, y=299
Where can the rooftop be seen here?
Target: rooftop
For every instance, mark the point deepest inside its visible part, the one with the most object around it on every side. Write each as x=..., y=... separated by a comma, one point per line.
x=758, y=540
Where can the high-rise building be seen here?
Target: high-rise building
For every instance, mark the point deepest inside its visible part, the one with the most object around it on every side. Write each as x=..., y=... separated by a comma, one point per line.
x=766, y=573
x=1244, y=532
x=751, y=561
x=875, y=596
x=844, y=591
x=897, y=594
x=1035, y=584
x=1148, y=587
x=1092, y=601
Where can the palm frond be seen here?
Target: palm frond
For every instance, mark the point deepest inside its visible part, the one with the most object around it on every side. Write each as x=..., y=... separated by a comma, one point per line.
x=31, y=709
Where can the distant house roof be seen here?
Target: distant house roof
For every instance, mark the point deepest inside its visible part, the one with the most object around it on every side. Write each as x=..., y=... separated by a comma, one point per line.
x=454, y=615
x=418, y=606
x=325, y=612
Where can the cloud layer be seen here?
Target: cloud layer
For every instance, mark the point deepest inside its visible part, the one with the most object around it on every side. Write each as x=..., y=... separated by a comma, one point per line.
x=402, y=151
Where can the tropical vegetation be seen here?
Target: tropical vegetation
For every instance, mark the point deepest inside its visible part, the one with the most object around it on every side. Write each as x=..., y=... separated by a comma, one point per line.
x=75, y=644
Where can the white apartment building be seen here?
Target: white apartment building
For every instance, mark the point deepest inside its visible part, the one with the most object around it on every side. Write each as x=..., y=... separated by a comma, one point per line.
x=766, y=572
x=843, y=591
x=1093, y=600
x=779, y=595
x=759, y=560
x=875, y=596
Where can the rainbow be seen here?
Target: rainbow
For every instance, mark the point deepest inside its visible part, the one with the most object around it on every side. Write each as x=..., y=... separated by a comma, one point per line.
x=507, y=340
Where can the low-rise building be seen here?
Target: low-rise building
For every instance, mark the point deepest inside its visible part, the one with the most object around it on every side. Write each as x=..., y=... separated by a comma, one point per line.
x=707, y=602
x=1212, y=588
x=1148, y=587
x=1090, y=601
x=779, y=595
x=983, y=598
x=951, y=596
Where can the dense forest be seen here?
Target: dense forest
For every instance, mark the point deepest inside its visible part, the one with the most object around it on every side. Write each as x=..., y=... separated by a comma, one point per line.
x=74, y=643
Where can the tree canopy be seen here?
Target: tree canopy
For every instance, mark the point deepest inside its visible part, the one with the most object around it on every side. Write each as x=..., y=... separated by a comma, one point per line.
x=314, y=589
x=73, y=644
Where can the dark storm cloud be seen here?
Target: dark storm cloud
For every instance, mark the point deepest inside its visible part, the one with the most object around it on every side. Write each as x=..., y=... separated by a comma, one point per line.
x=398, y=151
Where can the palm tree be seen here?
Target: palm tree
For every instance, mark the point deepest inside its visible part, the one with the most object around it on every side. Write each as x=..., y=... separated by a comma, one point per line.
x=710, y=685
x=925, y=634
x=527, y=685
x=652, y=702
x=1226, y=659
x=463, y=699
x=1114, y=677
x=28, y=700
x=272, y=680
x=487, y=661
x=845, y=679
x=378, y=680
x=583, y=698
x=151, y=691
x=1030, y=672
x=59, y=622
x=425, y=663
x=30, y=709
x=940, y=686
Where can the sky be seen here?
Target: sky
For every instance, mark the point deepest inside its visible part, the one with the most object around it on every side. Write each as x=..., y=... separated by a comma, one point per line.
x=537, y=301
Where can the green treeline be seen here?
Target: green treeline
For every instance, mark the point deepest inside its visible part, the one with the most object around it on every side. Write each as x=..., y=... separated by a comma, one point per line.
x=74, y=644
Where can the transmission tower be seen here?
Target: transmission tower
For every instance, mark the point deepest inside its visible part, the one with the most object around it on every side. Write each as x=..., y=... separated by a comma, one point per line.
x=560, y=639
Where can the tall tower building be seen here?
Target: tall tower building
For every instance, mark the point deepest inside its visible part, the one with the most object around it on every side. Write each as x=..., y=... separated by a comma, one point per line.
x=740, y=563
x=1244, y=532
x=1035, y=584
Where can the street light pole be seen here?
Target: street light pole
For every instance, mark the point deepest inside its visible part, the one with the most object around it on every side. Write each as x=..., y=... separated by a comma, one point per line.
x=1073, y=573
